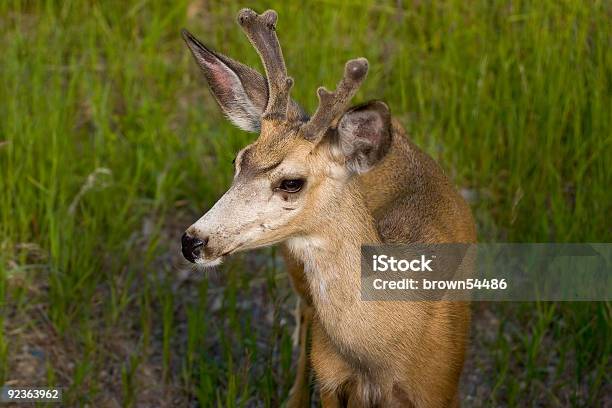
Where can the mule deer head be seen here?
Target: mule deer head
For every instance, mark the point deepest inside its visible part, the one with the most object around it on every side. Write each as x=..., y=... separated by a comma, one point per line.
x=294, y=171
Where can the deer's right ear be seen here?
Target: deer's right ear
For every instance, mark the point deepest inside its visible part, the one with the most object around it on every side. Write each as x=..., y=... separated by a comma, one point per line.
x=240, y=91
x=364, y=135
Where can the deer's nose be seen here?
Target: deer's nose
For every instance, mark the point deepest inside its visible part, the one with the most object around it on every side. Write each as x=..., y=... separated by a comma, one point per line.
x=192, y=247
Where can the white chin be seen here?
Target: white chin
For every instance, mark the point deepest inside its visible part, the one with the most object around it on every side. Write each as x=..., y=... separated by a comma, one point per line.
x=209, y=263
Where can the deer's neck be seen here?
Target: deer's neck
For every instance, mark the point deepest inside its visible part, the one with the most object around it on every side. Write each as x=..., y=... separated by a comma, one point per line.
x=332, y=259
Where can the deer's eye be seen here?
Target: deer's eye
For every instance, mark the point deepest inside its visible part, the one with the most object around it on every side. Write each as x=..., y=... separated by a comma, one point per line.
x=291, y=185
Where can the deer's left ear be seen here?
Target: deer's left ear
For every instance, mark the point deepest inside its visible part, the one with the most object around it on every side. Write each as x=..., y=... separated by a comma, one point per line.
x=364, y=135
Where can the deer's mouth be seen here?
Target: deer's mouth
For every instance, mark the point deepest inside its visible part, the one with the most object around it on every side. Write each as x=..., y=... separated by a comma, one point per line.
x=212, y=261
x=233, y=250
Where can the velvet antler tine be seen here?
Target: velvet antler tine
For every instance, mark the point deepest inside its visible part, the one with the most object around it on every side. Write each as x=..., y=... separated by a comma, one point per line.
x=261, y=32
x=333, y=104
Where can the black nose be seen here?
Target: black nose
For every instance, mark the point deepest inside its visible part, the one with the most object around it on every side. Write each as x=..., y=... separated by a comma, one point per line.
x=192, y=247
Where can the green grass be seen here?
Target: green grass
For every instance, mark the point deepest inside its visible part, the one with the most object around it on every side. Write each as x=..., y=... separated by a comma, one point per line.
x=110, y=145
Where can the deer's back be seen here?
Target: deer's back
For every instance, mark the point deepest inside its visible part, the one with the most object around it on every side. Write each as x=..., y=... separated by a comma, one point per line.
x=412, y=200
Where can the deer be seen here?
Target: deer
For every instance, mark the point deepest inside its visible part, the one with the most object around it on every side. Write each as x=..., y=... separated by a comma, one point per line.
x=321, y=186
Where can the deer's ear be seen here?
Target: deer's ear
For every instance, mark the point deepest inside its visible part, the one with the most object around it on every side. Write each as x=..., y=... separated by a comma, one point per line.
x=240, y=91
x=364, y=135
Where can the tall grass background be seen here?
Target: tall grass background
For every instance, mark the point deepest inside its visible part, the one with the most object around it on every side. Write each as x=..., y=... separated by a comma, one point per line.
x=110, y=145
